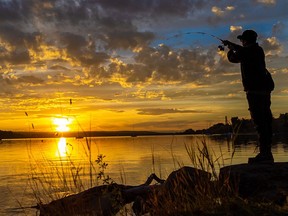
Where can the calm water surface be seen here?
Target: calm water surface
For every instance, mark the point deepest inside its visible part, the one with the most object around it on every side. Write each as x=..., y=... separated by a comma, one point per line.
x=32, y=166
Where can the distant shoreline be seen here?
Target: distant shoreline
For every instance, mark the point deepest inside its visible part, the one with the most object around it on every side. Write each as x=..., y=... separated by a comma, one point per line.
x=237, y=126
x=79, y=135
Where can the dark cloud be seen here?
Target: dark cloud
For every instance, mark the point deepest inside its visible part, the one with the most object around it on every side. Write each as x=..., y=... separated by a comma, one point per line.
x=88, y=34
x=5, y=87
x=125, y=39
x=152, y=8
x=10, y=11
x=78, y=48
x=15, y=57
x=15, y=36
x=30, y=80
x=16, y=44
x=166, y=64
x=72, y=42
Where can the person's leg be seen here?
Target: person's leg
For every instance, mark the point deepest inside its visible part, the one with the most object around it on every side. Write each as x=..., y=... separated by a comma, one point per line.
x=265, y=132
x=259, y=107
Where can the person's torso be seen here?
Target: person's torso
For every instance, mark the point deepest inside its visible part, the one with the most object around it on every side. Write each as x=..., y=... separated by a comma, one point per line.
x=253, y=68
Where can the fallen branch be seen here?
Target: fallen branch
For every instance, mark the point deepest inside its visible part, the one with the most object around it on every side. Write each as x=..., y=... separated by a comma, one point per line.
x=109, y=199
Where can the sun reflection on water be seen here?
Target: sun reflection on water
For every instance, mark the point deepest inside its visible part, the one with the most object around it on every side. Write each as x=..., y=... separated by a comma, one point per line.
x=63, y=149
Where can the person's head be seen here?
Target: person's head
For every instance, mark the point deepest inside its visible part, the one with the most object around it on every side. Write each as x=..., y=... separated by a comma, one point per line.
x=248, y=37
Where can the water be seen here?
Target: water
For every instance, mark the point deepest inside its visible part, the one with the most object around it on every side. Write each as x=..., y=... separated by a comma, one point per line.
x=33, y=168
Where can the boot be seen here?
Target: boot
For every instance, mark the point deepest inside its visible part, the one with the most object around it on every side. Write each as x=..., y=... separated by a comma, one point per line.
x=265, y=140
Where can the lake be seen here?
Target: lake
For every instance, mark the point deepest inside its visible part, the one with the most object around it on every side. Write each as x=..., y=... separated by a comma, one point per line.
x=33, y=170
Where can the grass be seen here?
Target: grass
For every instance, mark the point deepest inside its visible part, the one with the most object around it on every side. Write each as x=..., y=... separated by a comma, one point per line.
x=209, y=197
x=54, y=180
x=65, y=176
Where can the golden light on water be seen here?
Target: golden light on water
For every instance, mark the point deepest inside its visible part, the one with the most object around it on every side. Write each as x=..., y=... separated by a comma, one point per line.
x=62, y=124
x=62, y=150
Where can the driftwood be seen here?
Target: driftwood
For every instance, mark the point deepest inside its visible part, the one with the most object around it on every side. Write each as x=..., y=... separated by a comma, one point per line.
x=182, y=187
x=107, y=200
x=100, y=200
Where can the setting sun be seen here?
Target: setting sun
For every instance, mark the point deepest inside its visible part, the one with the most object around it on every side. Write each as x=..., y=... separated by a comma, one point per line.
x=62, y=123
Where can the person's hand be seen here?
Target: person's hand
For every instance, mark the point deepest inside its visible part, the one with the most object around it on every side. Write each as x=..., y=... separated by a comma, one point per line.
x=226, y=42
x=229, y=44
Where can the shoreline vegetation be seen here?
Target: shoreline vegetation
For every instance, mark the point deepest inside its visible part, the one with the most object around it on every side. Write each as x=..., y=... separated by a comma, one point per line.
x=237, y=126
x=196, y=189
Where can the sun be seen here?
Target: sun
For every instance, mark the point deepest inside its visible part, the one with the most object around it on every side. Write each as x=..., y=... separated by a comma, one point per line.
x=62, y=123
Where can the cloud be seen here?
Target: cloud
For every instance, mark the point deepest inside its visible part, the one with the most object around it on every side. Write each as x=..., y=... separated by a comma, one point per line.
x=157, y=66
x=14, y=44
x=29, y=80
x=278, y=28
x=235, y=28
x=10, y=11
x=5, y=87
x=58, y=67
x=267, y=2
x=15, y=57
x=159, y=111
x=163, y=64
x=125, y=39
x=221, y=12
x=217, y=11
x=152, y=8
x=106, y=50
x=112, y=26
x=230, y=8
x=272, y=46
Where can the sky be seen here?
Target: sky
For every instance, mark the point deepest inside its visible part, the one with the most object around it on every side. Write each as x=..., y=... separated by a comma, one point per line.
x=130, y=64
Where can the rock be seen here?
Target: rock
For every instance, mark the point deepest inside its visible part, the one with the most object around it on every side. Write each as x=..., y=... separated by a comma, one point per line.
x=260, y=182
x=178, y=193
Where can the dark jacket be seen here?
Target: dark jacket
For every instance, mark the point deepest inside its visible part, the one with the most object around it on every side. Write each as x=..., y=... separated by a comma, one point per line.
x=253, y=67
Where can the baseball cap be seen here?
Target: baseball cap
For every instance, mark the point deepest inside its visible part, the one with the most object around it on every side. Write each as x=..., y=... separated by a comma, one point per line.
x=248, y=35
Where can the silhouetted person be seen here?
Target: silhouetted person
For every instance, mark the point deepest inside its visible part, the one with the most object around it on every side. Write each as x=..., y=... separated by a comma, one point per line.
x=258, y=85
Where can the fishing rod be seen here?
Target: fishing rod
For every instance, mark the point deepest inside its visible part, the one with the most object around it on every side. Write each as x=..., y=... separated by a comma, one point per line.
x=220, y=47
x=204, y=33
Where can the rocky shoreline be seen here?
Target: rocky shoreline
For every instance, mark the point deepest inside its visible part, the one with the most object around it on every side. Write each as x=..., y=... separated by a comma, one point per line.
x=258, y=182
x=241, y=189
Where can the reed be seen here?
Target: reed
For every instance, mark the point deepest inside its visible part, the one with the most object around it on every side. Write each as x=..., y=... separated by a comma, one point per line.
x=204, y=199
x=59, y=178
x=209, y=196
x=53, y=181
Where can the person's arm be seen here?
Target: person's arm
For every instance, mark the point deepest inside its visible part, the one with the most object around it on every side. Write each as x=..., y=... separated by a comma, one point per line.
x=233, y=53
x=233, y=57
x=231, y=46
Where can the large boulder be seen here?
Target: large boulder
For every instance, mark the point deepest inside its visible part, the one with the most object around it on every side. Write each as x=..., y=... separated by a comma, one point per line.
x=261, y=182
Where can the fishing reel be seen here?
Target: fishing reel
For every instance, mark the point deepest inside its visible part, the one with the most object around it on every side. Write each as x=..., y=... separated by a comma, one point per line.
x=221, y=48
x=225, y=43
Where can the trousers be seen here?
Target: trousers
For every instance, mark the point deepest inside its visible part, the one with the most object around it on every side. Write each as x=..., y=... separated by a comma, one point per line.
x=259, y=106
